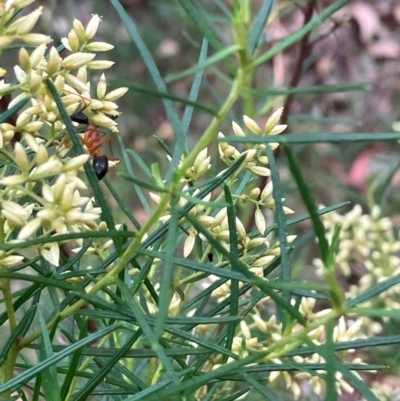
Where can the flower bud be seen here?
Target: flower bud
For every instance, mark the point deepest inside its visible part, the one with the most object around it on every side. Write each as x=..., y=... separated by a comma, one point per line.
x=264, y=261
x=277, y=129
x=54, y=63
x=52, y=255
x=254, y=193
x=47, y=169
x=37, y=55
x=103, y=120
x=65, y=43
x=11, y=260
x=20, y=74
x=237, y=130
x=79, y=30
x=36, y=39
x=240, y=229
x=75, y=163
x=267, y=191
x=273, y=120
x=6, y=41
x=77, y=60
x=73, y=41
x=99, y=47
x=101, y=87
x=76, y=82
x=16, y=209
x=24, y=60
x=33, y=126
x=35, y=82
x=13, y=180
x=99, y=64
x=252, y=125
x=41, y=155
x=258, y=170
x=92, y=26
x=29, y=229
x=260, y=221
x=21, y=157
x=28, y=22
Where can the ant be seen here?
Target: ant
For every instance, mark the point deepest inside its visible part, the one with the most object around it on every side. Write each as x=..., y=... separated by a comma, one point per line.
x=92, y=139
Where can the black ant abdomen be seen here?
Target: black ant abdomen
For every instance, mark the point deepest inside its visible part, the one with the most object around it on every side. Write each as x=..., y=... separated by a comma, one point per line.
x=100, y=166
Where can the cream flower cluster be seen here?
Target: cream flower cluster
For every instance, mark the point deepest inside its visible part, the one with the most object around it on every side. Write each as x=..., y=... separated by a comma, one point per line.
x=259, y=334
x=42, y=194
x=369, y=247
x=216, y=221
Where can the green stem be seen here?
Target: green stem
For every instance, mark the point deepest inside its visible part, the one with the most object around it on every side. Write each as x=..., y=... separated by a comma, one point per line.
x=5, y=286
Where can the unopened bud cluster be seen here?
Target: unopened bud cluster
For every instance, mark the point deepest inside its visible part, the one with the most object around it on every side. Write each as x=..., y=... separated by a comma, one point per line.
x=216, y=220
x=369, y=251
x=369, y=247
x=42, y=193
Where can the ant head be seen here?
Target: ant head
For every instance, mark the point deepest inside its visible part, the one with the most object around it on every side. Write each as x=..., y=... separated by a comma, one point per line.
x=79, y=116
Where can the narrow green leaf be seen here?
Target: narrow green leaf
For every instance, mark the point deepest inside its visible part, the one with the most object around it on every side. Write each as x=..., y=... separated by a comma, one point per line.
x=73, y=367
x=259, y=25
x=329, y=356
x=133, y=32
x=202, y=22
x=51, y=388
x=220, y=55
x=377, y=312
x=99, y=376
x=260, y=388
x=237, y=395
x=286, y=269
x=144, y=394
x=194, y=92
x=309, y=202
x=15, y=109
x=234, y=252
x=309, y=90
x=164, y=146
x=143, y=184
x=374, y=291
x=142, y=197
x=122, y=206
x=165, y=293
x=21, y=329
x=148, y=332
x=357, y=383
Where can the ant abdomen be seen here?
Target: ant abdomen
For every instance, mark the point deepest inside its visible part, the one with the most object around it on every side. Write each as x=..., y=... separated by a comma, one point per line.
x=100, y=165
